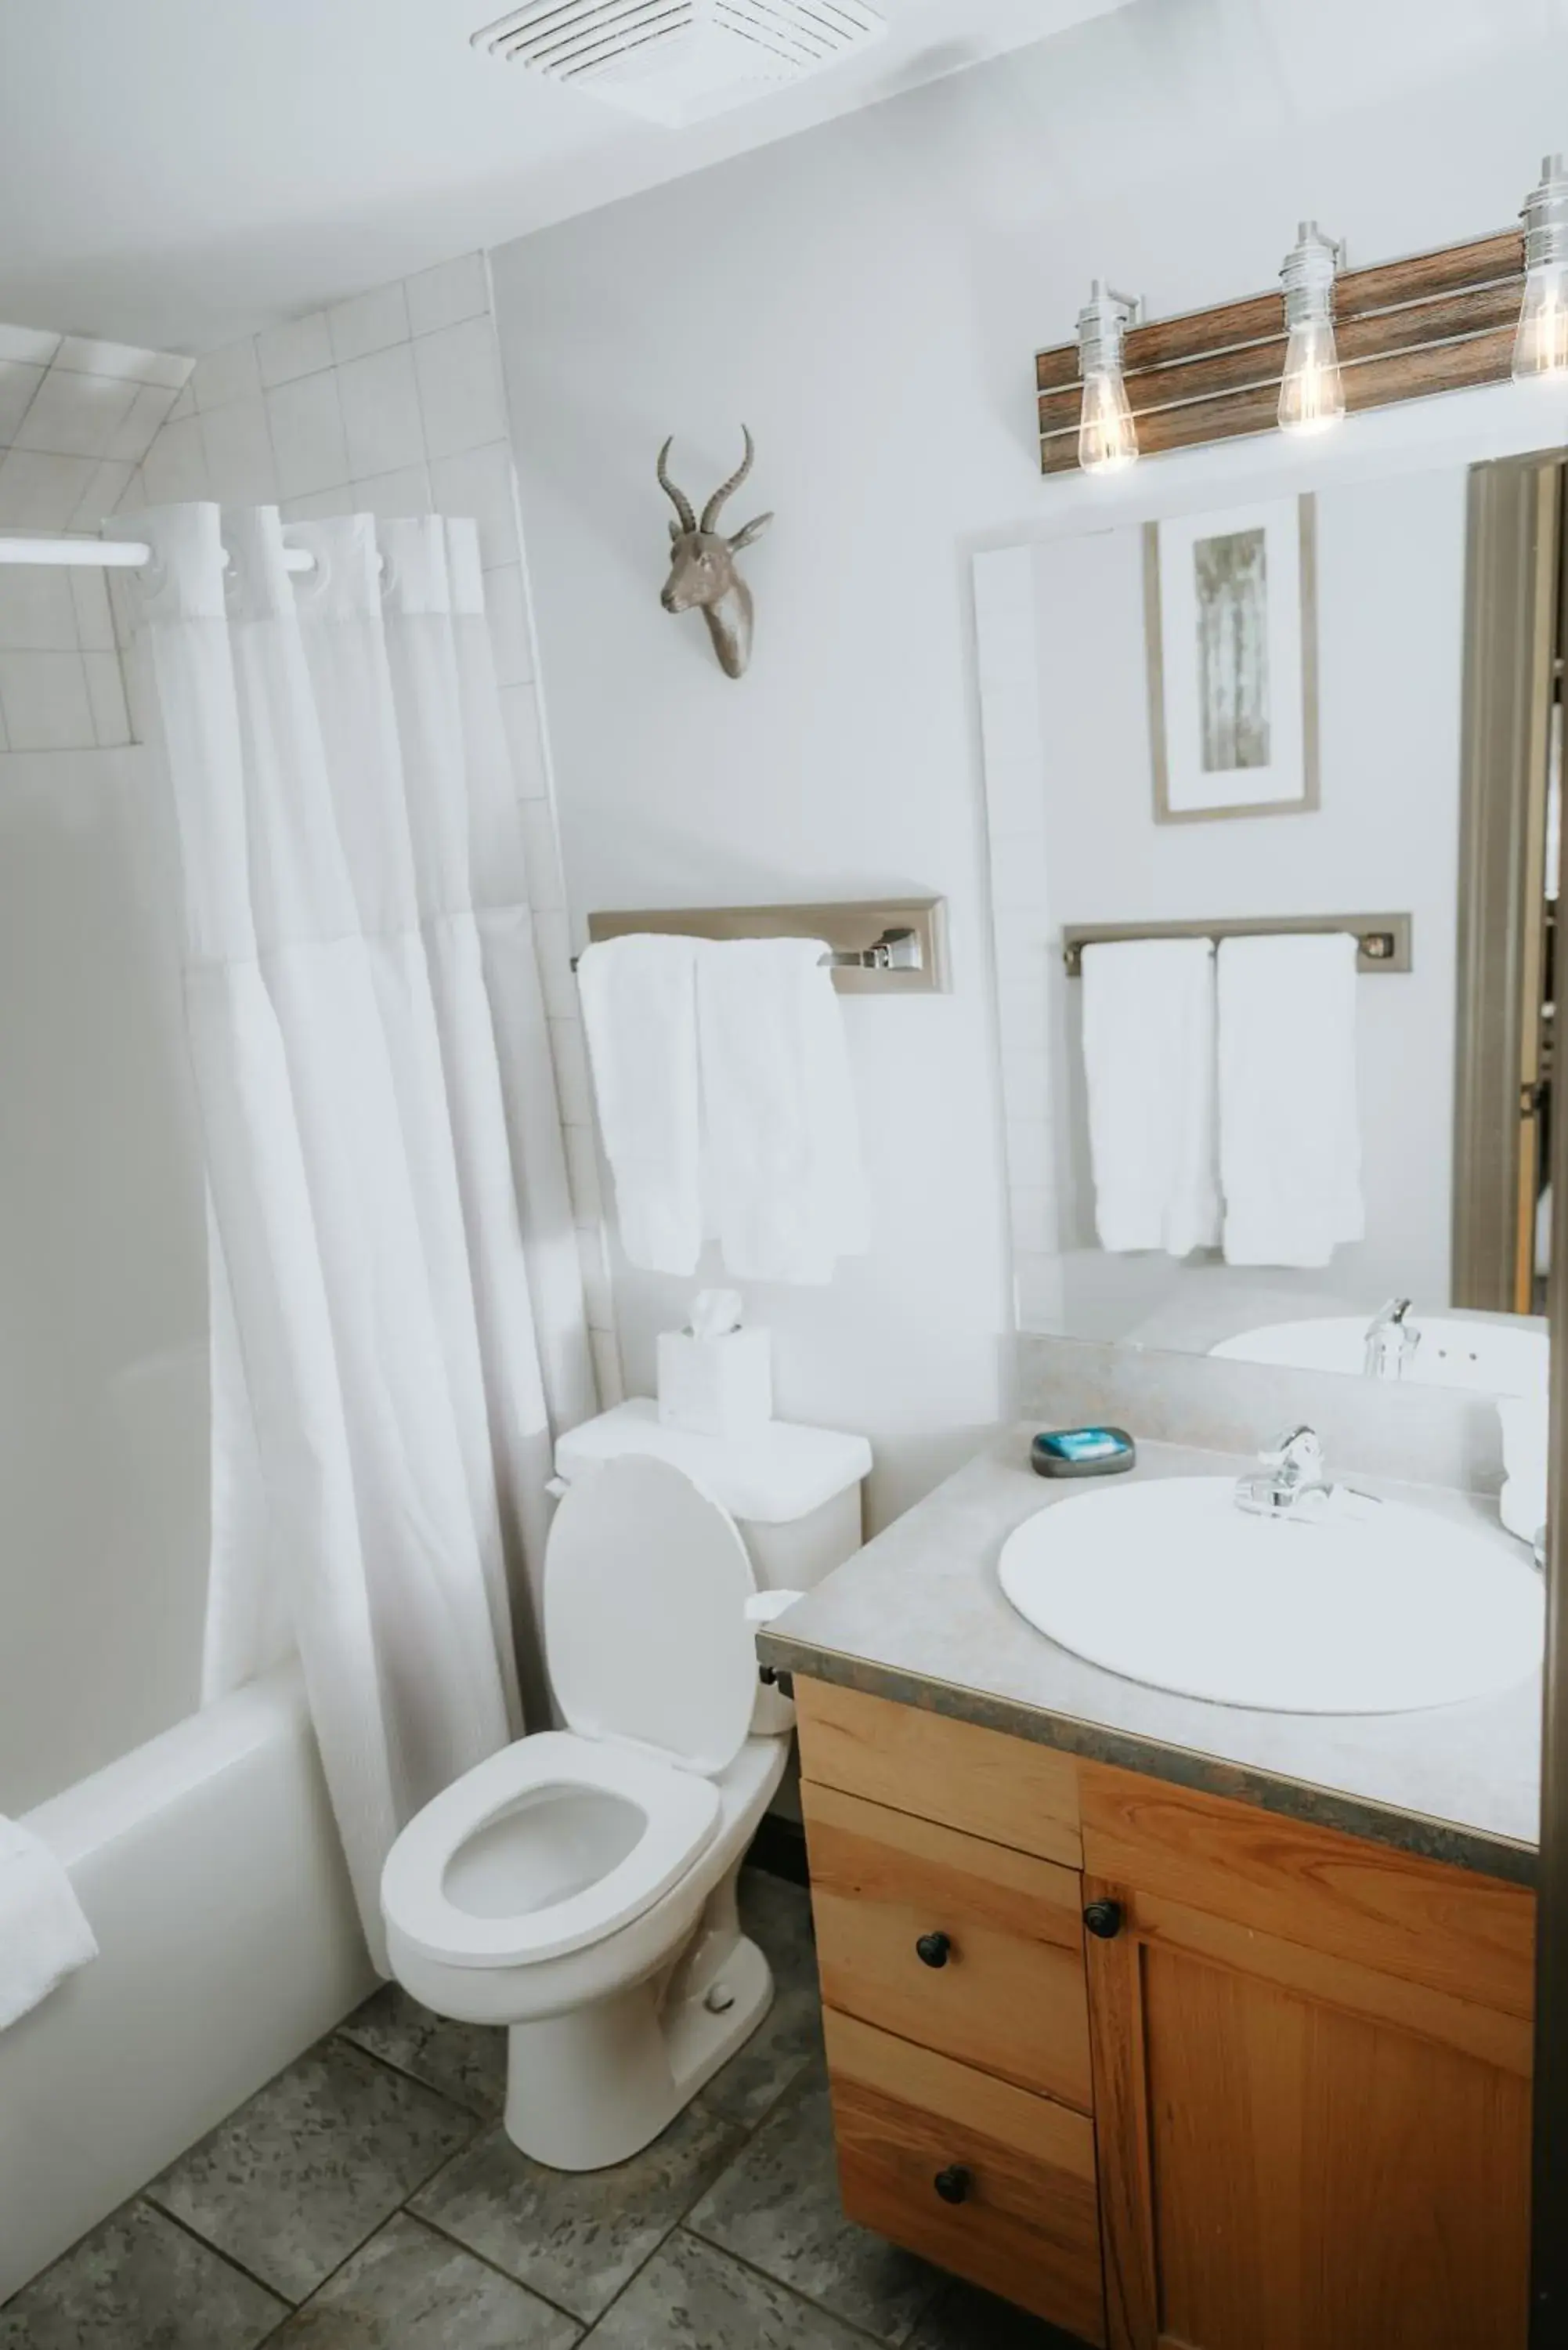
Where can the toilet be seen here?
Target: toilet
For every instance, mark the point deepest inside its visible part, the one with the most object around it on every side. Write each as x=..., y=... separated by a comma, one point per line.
x=580, y=1886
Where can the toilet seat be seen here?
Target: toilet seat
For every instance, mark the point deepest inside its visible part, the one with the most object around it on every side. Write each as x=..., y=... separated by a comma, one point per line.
x=680, y=1818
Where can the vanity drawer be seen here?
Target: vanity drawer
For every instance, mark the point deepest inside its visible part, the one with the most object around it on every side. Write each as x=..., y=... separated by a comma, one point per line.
x=961, y=1946
x=1026, y=2222
x=1003, y=1788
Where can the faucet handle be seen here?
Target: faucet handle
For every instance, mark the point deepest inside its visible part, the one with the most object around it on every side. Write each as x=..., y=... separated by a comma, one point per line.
x=1299, y=1452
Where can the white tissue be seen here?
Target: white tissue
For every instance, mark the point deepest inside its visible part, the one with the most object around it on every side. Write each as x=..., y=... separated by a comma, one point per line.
x=715, y=1313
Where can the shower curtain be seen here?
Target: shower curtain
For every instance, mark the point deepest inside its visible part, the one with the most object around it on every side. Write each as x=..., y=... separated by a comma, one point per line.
x=397, y=1301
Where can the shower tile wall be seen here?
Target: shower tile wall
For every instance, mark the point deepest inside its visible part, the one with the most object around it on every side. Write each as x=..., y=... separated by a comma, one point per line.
x=392, y=403
x=76, y=419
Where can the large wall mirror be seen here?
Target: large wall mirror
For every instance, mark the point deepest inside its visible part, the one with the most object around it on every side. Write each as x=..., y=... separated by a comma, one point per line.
x=1333, y=718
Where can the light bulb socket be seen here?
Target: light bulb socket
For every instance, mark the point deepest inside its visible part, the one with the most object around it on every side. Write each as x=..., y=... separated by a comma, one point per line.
x=1103, y=323
x=1310, y=269
x=1545, y=217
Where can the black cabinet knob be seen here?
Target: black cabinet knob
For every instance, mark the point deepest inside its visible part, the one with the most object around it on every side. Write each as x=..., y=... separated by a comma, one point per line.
x=933, y=1949
x=953, y=2183
x=1104, y=1920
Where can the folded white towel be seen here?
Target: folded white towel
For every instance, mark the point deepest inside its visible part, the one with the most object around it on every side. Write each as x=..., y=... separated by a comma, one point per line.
x=44, y=1933
x=785, y=1180
x=640, y=1012
x=1149, y=1058
x=1290, y=1130
x=1524, y=1457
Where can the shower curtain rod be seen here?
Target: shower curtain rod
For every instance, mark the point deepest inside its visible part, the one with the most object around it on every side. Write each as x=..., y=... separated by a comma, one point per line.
x=112, y=554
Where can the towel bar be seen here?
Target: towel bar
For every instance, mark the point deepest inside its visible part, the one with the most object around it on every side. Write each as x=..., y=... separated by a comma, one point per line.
x=894, y=946
x=1382, y=940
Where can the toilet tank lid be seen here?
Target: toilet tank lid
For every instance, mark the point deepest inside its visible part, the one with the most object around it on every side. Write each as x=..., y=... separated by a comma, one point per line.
x=780, y=1473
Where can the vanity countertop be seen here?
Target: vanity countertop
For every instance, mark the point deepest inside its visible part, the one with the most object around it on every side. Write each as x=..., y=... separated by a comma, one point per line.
x=919, y=1617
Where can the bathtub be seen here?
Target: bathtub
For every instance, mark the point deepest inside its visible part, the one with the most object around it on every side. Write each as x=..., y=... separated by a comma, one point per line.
x=209, y=1866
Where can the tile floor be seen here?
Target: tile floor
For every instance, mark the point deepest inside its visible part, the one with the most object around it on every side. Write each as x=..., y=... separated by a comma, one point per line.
x=368, y=2200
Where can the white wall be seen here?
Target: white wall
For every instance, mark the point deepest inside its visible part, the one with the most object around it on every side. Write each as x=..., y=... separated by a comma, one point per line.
x=869, y=297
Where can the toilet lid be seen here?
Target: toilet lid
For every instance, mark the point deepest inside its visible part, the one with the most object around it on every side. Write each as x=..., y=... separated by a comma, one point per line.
x=645, y=1584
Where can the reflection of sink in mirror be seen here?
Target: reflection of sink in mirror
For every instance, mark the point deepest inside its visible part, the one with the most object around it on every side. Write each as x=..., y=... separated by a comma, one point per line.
x=1497, y=1357
x=1383, y=1609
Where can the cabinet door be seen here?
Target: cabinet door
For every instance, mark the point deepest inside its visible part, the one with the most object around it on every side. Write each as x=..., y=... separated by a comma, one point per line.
x=1297, y=2146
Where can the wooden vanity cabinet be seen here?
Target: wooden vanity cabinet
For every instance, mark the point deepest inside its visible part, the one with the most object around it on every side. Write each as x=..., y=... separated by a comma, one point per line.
x=1279, y=2100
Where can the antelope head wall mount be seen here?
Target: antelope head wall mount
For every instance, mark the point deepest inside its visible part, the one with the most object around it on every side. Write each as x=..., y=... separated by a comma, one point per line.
x=702, y=574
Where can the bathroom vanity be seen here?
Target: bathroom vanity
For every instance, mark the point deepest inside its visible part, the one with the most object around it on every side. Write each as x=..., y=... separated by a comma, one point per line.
x=1186, y=2027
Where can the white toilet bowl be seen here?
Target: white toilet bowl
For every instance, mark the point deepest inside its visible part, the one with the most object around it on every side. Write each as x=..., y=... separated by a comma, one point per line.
x=579, y=1886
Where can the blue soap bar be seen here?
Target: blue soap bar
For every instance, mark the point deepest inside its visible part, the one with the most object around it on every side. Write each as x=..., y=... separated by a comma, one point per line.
x=1081, y=1453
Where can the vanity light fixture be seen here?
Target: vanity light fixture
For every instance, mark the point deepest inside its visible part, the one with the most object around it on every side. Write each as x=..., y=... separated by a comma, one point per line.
x=1540, y=347
x=1107, y=438
x=1312, y=393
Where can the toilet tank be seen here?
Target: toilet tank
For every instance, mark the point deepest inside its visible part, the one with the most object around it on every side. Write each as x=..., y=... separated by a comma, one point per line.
x=793, y=1493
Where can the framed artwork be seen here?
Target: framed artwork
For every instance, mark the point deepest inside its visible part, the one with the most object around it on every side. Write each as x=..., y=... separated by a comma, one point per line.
x=1231, y=619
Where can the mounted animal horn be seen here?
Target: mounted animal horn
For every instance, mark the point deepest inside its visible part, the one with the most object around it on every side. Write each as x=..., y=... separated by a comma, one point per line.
x=702, y=574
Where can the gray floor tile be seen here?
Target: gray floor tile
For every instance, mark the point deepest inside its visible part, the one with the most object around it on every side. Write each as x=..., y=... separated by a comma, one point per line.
x=576, y=2236
x=691, y=2297
x=778, y=2207
x=962, y=2318
x=410, y=2289
x=139, y=2282
x=297, y=2180
x=464, y=2060
x=777, y=1917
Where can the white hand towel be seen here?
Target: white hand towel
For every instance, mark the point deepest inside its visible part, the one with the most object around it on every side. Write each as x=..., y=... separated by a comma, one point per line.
x=43, y=1934
x=1149, y=1058
x=786, y=1185
x=1290, y=1130
x=640, y=1012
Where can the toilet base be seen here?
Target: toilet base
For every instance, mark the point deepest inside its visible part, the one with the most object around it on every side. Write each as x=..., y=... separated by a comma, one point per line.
x=593, y=2087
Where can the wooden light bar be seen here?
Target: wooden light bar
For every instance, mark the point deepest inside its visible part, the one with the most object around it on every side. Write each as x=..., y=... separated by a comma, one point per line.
x=1441, y=321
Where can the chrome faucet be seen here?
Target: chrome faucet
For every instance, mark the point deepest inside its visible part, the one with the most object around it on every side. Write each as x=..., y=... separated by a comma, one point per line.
x=1391, y=1342
x=1295, y=1486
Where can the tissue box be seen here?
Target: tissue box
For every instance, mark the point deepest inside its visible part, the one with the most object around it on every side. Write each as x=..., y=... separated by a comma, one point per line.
x=715, y=1387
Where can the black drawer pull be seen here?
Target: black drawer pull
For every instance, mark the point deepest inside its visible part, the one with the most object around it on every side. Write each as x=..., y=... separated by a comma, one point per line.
x=933, y=1949
x=1104, y=1920
x=953, y=2183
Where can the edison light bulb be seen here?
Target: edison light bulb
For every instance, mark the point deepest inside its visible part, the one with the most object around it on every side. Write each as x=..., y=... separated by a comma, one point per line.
x=1312, y=394
x=1107, y=438
x=1540, y=347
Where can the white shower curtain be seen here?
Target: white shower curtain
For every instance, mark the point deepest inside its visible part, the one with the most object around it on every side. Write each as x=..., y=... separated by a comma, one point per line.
x=397, y=1302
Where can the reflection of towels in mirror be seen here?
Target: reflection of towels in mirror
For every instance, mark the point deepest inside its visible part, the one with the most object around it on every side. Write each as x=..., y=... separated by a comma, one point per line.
x=1289, y=1133
x=1149, y=1056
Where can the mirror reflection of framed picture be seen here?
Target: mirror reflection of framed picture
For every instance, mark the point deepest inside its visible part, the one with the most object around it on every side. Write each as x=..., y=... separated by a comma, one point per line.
x=1231, y=619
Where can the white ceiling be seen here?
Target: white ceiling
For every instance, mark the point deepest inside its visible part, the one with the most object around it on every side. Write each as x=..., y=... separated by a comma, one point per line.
x=174, y=173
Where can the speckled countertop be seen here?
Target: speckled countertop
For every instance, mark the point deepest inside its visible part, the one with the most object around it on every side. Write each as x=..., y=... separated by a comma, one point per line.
x=919, y=1617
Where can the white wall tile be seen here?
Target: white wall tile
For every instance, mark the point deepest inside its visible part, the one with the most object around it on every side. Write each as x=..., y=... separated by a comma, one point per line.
x=37, y=610
x=229, y=373
x=74, y=415
x=583, y=1174
x=175, y=467
x=306, y=421
x=44, y=697
x=184, y=405
x=569, y=1054
x=459, y=387
x=552, y=950
x=520, y=714
x=546, y=890
x=607, y=1372
x=127, y=361
x=318, y=502
x=386, y=496
x=301, y=346
x=89, y=601
x=381, y=413
x=149, y=411
x=39, y=492
x=239, y=464
x=34, y=345
x=19, y=380
x=596, y=1297
x=369, y=323
x=453, y=290
x=103, y=493
x=481, y=484
x=105, y=694
x=506, y=607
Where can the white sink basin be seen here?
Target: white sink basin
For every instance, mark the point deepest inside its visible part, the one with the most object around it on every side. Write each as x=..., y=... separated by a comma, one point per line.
x=1169, y=1583
x=1502, y=1357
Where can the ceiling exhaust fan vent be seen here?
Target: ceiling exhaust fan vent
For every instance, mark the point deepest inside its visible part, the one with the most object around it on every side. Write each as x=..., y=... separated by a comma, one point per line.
x=675, y=61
